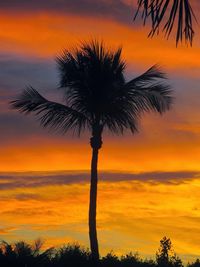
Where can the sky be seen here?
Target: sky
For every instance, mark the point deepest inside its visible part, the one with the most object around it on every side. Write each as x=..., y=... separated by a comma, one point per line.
x=149, y=183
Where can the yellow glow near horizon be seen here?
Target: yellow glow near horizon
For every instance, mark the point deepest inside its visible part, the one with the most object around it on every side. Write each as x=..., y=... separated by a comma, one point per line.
x=143, y=211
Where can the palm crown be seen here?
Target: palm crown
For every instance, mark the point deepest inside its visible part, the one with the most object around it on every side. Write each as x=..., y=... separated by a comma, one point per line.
x=96, y=92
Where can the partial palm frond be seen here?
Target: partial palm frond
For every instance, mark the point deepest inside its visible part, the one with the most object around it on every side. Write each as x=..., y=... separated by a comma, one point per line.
x=146, y=6
x=148, y=93
x=53, y=115
x=142, y=94
x=122, y=122
x=23, y=249
x=168, y=13
x=152, y=74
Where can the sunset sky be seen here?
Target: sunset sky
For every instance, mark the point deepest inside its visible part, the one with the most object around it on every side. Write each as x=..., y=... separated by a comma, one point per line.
x=149, y=183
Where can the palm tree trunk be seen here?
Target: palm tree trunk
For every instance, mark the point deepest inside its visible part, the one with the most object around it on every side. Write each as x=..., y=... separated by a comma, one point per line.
x=93, y=204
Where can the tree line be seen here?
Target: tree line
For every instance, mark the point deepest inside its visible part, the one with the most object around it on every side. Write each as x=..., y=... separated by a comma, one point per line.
x=22, y=254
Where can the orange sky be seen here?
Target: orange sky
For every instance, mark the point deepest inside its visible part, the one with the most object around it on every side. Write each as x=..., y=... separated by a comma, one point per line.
x=29, y=43
x=59, y=31
x=140, y=53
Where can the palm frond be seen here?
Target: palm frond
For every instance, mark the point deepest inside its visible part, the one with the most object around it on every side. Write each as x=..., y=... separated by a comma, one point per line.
x=150, y=75
x=56, y=116
x=167, y=13
x=122, y=121
x=148, y=93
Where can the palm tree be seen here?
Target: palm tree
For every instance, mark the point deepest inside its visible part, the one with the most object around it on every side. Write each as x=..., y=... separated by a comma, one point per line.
x=97, y=97
x=169, y=12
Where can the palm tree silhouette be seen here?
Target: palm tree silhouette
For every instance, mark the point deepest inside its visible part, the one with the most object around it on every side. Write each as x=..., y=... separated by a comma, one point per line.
x=169, y=12
x=97, y=97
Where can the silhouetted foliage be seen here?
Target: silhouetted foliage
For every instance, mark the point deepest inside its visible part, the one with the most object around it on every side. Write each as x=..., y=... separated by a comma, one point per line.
x=131, y=258
x=195, y=264
x=165, y=257
x=110, y=260
x=73, y=255
x=21, y=254
x=169, y=12
x=134, y=260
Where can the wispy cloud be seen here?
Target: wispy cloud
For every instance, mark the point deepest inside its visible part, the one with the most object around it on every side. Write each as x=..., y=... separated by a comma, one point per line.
x=134, y=210
x=114, y=9
x=38, y=179
x=7, y=230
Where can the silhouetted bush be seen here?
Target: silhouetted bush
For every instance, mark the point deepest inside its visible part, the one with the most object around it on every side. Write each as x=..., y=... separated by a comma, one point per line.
x=194, y=264
x=134, y=260
x=22, y=254
x=73, y=255
x=110, y=260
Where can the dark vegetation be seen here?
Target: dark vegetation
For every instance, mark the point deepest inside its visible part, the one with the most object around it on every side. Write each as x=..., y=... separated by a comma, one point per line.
x=166, y=15
x=21, y=254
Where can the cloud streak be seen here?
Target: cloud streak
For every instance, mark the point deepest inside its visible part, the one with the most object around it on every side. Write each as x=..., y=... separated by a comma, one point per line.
x=10, y=181
x=115, y=9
